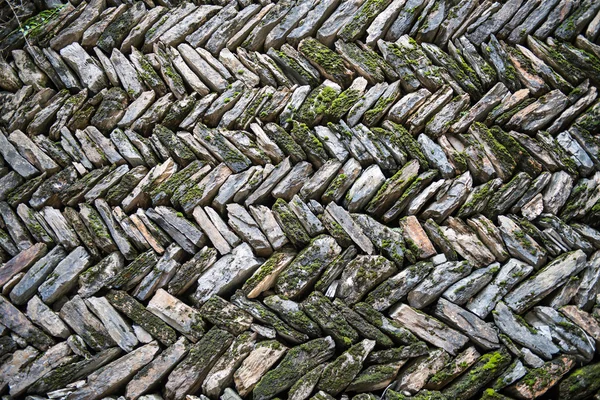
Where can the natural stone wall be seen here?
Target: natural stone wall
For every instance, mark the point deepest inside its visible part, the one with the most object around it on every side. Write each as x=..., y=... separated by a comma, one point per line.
x=366, y=199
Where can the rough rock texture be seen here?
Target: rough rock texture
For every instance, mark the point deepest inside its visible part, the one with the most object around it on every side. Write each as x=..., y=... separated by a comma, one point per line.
x=366, y=199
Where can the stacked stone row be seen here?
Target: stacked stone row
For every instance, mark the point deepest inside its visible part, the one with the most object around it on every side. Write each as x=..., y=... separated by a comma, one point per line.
x=366, y=199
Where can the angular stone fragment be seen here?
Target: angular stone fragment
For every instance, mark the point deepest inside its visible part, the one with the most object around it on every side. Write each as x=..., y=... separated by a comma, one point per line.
x=302, y=389
x=138, y=314
x=226, y=315
x=16, y=321
x=581, y=383
x=510, y=274
x=226, y=273
x=306, y=216
x=557, y=191
x=221, y=374
x=34, y=154
x=265, y=277
x=475, y=328
x=449, y=201
x=77, y=315
x=463, y=290
x=330, y=64
x=318, y=183
x=341, y=372
x=41, y=315
x=331, y=321
x=244, y=225
x=507, y=195
x=413, y=378
x=264, y=190
x=306, y=268
x=119, y=330
x=22, y=261
x=569, y=338
x=485, y=370
x=64, y=275
x=263, y=315
x=258, y=362
x=436, y=282
x=115, y=374
x=15, y=160
x=520, y=244
x=44, y=364
x=518, y=330
x=539, y=114
x=344, y=219
x=297, y=362
x=361, y=275
x=429, y=329
x=416, y=239
x=466, y=243
x=177, y=314
x=157, y=369
x=547, y=279
x=453, y=369
x=396, y=287
x=531, y=386
x=188, y=376
x=116, y=232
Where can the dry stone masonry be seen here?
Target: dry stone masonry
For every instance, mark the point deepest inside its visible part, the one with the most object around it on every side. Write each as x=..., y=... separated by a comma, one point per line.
x=299, y=199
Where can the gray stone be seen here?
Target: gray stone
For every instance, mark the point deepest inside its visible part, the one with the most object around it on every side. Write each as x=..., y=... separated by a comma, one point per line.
x=521, y=332
x=546, y=280
x=429, y=329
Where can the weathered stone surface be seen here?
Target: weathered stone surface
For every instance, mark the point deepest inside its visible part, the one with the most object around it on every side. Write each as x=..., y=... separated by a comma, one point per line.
x=157, y=369
x=412, y=379
x=445, y=204
x=510, y=274
x=177, y=314
x=44, y=364
x=290, y=171
x=138, y=314
x=116, y=373
x=77, y=315
x=16, y=321
x=547, y=279
x=466, y=242
x=580, y=383
x=246, y=227
x=40, y=314
x=361, y=275
x=258, y=362
x=23, y=260
x=303, y=272
x=530, y=386
x=331, y=321
x=521, y=332
x=91, y=75
x=292, y=313
x=340, y=373
x=463, y=290
x=226, y=315
x=297, y=362
x=227, y=272
x=429, y=329
x=485, y=370
x=221, y=374
x=64, y=276
x=453, y=369
x=189, y=374
x=437, y=282
x=475, y=328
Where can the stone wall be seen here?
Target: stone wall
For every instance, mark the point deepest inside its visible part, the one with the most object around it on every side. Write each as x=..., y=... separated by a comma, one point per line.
x=366, y=199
